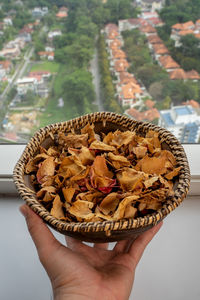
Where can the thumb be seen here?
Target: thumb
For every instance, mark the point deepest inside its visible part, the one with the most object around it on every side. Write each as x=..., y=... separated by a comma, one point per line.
x=42, y=237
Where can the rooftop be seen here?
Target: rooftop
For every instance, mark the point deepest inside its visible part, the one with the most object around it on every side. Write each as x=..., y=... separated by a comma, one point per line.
x=168, y=63
x=184, y=110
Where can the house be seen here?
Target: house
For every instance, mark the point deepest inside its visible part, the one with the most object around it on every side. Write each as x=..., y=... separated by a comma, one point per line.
x=183, y=122
x=39, y=12
x=115, y=44
x=118, y=54
x=113, y=35
x=159, y=49
x=178, y=74
x=39, y=78
x=42, y=90
x=120, y=65
x=151, y=5
x=26, y=83
x=8, y=21
x=149, y=103
x=148, y=115
x=110, y=27
x=126, y=77
x=25, y=36
x=149, y=14
x=192, y=103
x=19, y=3
x=10, y=52
x=155, y=22
x=52, y=34
x=6, y=65
x=148, y=30
x=129, y=93
x=44, y=74
x=193, y=75
x=128, y=24
x=154, y=39
x=167, y=62
x=27, y=29
x=46, y=54
x=182, y=29
x=61, y=15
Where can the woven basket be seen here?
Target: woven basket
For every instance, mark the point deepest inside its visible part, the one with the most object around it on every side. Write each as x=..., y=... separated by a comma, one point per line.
x=105, y=231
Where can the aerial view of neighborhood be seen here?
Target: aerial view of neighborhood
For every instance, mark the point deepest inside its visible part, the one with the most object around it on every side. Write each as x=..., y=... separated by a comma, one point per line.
x=60, y=59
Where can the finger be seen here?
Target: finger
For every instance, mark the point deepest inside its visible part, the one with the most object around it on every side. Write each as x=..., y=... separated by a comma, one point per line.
x=42, y=237
x=103, y=246
x=138, y=246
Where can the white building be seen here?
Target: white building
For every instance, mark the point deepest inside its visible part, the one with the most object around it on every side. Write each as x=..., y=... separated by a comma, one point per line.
x=54, y=33
x=25, y=84
x=183, y=122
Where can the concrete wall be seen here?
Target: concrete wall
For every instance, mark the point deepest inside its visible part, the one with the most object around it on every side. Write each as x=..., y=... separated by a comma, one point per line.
x=169, y=269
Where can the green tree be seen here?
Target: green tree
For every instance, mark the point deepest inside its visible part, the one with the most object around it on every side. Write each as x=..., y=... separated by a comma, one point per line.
x=78, y=89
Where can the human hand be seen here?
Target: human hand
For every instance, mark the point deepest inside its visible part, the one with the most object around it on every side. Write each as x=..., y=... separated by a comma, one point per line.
x=78, y=271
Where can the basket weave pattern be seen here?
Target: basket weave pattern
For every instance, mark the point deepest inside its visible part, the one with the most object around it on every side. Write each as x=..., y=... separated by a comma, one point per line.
x=105, y=230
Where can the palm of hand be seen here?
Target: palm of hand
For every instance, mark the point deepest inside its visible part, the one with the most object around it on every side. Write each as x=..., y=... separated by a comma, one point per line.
x=94, y=272
x=82, y=272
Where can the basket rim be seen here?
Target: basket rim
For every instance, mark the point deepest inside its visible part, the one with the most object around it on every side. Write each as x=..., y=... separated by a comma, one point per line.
x=29, y=196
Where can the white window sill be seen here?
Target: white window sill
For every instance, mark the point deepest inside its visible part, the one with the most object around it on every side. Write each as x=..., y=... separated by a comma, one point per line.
x=9, y=155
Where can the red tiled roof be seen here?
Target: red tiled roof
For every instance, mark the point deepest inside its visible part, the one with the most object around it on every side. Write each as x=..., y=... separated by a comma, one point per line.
x=192, y=75
x=178, y=74
x=178, y=26
x=197, y=35
x=46, y=53
x=155, y=21
x=118, y=53
x=154, y=39
x=115, y=44
x=160, y=49
x=121, y=65
x=126, y=77
x=111, y=26
x=134, y=21
x=5, y=64
x=113, y=34
x=149, y=115
x=61, y=14
x=149, y=103
x=129, y=90
x=185, y=32
x=148, y=29
x=36, y=73
x=37, y=77
x=168, y=63
x=188, y=25
x=193, y=103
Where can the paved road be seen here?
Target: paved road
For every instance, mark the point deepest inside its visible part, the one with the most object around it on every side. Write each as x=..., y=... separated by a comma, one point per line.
x=94, y=68
x=18, y=73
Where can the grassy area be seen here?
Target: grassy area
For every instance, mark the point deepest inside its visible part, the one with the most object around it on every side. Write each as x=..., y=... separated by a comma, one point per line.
x=50, y=66
x=53, y=113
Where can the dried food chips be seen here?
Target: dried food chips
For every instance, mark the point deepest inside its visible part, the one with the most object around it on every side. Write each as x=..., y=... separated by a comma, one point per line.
x=94, y=177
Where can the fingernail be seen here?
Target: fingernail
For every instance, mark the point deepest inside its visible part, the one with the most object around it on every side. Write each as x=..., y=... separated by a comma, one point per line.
x=24, y=210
